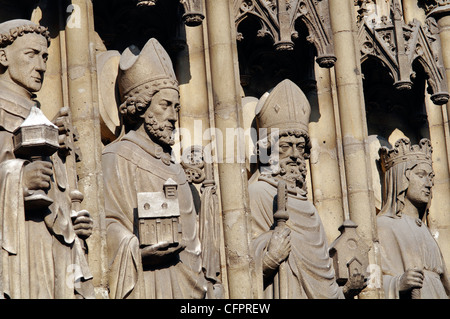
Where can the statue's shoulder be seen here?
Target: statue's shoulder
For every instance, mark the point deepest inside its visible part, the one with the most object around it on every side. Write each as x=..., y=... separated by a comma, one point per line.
x=385, y=222
x=12, y=114
x=261, y=185
x=119, y=147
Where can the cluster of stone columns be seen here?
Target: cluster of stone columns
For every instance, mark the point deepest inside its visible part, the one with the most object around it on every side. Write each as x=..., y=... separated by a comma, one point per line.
x=439, y=218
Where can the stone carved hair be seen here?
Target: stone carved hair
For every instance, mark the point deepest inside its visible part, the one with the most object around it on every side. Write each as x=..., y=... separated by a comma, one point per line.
x=135, y=104
x=8, y=38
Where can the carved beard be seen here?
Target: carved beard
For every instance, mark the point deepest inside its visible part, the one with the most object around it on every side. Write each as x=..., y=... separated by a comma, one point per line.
x=162, y=132
x=292, y=170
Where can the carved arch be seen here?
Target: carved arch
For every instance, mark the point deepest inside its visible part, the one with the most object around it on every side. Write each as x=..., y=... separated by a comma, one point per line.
x=398, y=50
x=277, y=19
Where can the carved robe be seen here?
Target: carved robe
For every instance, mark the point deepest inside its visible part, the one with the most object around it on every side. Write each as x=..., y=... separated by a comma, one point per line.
x=134, y=165
x=407, y=243
x=40, y=257
x=308, y=272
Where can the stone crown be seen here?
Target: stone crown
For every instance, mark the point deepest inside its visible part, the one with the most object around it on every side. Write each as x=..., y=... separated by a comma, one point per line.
x=403, y=151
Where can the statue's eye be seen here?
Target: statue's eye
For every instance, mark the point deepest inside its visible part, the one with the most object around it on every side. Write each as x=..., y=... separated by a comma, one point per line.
x=30, y=54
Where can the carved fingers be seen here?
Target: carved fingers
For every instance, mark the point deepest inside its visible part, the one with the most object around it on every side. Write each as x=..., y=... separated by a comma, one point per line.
x=83, y=224
x=411, y=278
x=160, y=253
x=354, y=285
x=279, y=246
x=37, y=175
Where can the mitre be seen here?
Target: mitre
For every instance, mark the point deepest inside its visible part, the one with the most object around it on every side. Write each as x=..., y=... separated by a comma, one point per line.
x=151, y=67
x=284, y=108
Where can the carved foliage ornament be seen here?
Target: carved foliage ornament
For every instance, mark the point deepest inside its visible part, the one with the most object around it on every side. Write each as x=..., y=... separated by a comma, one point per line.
x=193, y=9
x=277, y=19
x=398, y=45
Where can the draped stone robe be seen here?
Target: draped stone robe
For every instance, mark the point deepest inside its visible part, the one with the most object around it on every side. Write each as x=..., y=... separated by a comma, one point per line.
x=407, y=243
x=308, y=272
x=40, y=255
x=132, y=165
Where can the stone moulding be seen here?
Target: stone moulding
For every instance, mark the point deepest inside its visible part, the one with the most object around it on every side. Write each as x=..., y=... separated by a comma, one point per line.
x=277, y=19
x=397, y=45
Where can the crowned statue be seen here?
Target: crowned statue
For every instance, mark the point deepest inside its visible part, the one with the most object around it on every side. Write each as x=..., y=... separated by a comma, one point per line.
x=412, y=263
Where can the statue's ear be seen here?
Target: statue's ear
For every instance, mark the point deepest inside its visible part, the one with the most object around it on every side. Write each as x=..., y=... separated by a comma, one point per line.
x=3, y=58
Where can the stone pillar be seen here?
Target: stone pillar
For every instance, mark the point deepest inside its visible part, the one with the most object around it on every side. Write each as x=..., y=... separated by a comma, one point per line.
x=439, y=218
x=325, y=157
x=192, y=77
x=412, y=11
x=228, y=119
x=82, y=97
x=442, y=16
x=194, y=116
x=354, y=135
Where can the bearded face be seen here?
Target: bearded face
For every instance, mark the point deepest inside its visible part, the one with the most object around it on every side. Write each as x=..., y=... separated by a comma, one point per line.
x=288, y=161
x=161, y=116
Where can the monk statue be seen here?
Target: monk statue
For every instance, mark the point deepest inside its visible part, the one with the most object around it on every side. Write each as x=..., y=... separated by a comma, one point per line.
x=289, y=243
x=43, y=250
x=152, y=231
x=412, y=263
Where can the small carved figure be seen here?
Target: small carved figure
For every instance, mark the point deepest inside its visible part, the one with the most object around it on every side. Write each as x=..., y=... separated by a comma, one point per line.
x=289, y=242
x=412, y=263
x=43, y=249
x=139, y=165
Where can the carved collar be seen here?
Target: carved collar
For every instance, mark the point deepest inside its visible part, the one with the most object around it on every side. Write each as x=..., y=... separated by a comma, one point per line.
x=16, y=89
x=150, y=147
x=15, y=105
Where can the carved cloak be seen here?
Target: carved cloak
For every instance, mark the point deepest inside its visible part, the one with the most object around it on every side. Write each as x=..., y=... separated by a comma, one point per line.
x=308, y=271
x=39, y=256
x=133, y=165
x=407, y=243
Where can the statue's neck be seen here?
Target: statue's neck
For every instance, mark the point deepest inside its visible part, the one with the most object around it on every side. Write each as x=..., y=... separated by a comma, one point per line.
x=412, y=210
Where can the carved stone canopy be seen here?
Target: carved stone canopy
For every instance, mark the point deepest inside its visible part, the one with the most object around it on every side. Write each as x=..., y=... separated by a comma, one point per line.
x=398, y=45
x=277, y=19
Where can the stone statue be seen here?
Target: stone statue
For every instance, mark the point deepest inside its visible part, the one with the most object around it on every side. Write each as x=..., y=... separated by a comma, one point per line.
x=43, y=248
x=412, y=263
x=152, y=231
x=289, y=243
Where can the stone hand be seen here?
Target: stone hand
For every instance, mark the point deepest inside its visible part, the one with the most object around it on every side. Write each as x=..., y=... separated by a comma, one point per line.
x=62, y=123
x=411, y=278
x=83, y=224
x=37, y=175
x=279, y=246
x=160, y=253
x=354, y=285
